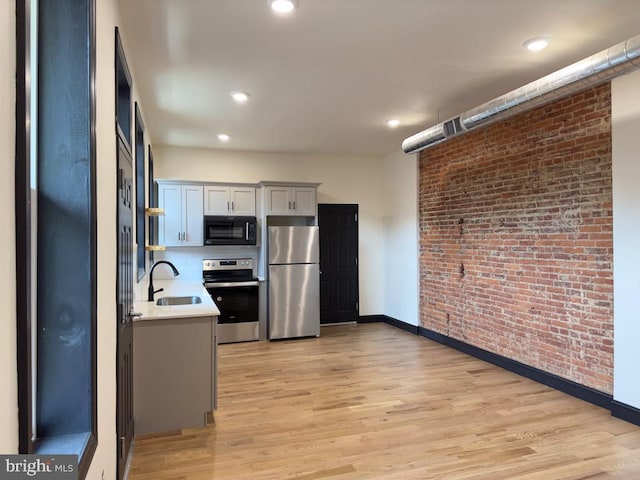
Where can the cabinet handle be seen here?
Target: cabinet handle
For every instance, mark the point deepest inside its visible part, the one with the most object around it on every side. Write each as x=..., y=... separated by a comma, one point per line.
x=294, y=205
x=179, y=236
x=227, y=206
x=289, y=205
x=232, y=207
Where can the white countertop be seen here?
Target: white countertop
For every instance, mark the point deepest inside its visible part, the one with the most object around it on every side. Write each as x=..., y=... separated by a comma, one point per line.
x=177, y=288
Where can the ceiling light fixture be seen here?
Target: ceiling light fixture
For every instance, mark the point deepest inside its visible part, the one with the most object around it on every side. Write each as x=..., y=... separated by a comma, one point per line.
x=536, y=44
x=240, y=97
x=283, y=6
x=223, y=137
x=393, y=123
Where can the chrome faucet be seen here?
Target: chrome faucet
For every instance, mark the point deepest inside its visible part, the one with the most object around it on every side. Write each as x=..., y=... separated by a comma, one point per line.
x=152, y=292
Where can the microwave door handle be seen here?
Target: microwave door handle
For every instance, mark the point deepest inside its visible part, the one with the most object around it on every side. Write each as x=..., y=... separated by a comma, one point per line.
x=246, y=231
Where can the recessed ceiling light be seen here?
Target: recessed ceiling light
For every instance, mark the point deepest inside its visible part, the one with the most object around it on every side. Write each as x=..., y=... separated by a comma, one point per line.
x=282, y=6
x=393, y=123
x=240, y=97
x=536, y=44
x=223, y=137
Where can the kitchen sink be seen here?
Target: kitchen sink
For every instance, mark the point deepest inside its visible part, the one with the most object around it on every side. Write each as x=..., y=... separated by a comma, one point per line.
x=168, y=301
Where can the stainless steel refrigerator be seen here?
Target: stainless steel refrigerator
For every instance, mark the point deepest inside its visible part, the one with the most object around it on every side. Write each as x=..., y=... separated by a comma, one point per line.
x=294, y=282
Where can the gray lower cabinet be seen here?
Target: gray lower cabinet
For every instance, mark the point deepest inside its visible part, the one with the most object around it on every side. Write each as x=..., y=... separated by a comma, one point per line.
x=174, y=373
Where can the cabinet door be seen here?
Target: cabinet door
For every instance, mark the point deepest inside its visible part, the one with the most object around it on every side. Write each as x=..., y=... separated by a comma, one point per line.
x=303, y=201
x=165, y=396
x=170, y=224
x=216, y=201
x=278, y=200
x=243, y=201
x=192, y=216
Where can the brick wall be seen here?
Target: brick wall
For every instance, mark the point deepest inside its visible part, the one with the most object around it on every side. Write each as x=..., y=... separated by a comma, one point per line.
x=516, y=239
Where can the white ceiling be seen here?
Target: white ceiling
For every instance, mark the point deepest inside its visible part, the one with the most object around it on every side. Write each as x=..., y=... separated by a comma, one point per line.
x=325, y=79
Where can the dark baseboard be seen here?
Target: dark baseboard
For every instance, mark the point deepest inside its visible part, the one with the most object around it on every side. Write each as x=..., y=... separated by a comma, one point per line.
x=574, y=389
x=407, y=327
x=588, y=394
x=625, y=412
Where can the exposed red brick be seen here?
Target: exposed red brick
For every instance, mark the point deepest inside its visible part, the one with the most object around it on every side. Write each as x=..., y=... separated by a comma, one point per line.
x=516, y=241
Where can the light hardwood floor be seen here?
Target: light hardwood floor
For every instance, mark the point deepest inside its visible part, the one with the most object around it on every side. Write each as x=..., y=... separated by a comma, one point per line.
x=373, y=402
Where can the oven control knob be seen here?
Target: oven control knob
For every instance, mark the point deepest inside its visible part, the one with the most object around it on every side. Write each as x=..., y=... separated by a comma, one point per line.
x=219, y=299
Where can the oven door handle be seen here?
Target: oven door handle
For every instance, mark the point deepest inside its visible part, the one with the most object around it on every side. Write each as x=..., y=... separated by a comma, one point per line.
x=232, y=284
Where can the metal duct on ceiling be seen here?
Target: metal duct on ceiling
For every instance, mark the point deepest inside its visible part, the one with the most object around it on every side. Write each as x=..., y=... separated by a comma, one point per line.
x=618, y=60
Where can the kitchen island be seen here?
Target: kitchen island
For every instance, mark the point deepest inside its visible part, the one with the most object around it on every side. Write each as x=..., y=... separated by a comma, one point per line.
x=174, y=360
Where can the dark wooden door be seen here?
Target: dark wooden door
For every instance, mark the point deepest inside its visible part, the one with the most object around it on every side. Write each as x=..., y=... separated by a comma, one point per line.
x=338, y=263
x=124, y=298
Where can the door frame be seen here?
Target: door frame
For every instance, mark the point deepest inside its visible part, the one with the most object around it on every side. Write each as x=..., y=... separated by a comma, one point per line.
x=124, y=310
x=356, y=211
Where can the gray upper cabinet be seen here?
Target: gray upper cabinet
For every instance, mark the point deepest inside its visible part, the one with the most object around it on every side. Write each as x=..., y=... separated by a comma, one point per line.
x=229, y=200
x=290, y=200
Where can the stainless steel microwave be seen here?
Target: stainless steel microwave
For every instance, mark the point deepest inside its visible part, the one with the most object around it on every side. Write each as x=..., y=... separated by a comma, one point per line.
x=221, y=230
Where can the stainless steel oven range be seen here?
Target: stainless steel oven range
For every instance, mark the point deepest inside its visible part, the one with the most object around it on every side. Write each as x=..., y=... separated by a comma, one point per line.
x=233, y=286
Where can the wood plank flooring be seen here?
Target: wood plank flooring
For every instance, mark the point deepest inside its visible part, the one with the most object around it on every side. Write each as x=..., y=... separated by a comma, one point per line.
x=373, y=402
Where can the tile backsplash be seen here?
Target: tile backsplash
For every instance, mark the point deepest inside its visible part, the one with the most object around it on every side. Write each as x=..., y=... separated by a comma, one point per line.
x=188, y=261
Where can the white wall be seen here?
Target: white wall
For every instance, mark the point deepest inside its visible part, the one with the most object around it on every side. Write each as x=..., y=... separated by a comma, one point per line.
x=625, y=106
x=105, y=455
x=8, y=375
x=344, y=180
x=107, y=18
x=401, y=234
